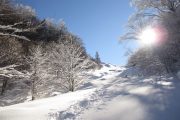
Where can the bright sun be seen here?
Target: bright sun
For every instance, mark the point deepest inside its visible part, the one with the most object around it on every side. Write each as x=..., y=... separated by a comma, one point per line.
x=148, y=36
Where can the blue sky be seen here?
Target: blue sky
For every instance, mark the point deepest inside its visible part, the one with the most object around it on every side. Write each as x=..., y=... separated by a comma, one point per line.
x=98, y=22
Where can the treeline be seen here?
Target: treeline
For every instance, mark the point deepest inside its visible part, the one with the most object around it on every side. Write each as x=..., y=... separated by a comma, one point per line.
x=162, y=58
x=38, y=55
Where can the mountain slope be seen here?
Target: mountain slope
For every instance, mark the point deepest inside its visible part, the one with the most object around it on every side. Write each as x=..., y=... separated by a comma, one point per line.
x=111, y=93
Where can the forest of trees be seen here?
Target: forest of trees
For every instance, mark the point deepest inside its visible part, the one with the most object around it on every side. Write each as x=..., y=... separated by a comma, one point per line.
x=162, y=58
x=38, y=56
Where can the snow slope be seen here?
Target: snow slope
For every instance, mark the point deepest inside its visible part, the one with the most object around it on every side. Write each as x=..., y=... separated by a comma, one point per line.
x=111, y=93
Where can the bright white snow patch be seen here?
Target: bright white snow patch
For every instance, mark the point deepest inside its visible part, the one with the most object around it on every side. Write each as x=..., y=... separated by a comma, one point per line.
x=122, y=108
x=39, y=109
x=164, y=83
x=141, y=90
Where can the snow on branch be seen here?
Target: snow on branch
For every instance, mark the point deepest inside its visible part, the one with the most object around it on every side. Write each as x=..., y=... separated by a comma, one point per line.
x=10, y=72
x=16, y=36
x=13, y=30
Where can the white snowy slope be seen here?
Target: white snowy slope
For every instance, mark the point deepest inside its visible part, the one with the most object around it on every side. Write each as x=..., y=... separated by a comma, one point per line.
x=111, y=93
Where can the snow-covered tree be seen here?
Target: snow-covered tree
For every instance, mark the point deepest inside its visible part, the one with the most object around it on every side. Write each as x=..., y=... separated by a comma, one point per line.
x=67, y=64
x=9, y=72
x=58, y=63
x=10, y=60
x=147, y=62
x=17, y=21
x=148, y=12
x=37, y=69
x=164, y=13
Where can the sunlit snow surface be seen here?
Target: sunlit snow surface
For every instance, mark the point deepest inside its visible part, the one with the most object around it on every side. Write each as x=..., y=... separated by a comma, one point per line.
x=111, y=93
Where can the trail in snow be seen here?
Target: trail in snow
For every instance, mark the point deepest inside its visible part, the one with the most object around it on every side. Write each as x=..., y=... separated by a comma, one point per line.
x=107, y=94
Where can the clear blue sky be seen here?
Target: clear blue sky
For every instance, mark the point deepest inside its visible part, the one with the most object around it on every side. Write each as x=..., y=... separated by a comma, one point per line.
x=98, y=22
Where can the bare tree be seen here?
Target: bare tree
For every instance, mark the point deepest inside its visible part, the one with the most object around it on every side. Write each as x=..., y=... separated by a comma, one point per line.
x=163, y=13
x=9, y=72
x=17, y=21
x=10, y=58
x=37, y=63
x=148, y=12
x=147, y=62
x=67, y=64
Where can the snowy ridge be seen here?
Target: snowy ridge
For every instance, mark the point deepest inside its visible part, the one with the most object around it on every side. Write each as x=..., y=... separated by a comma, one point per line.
x=107, y=94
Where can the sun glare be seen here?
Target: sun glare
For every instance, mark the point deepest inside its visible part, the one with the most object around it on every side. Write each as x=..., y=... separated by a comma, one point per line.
x=148, y=36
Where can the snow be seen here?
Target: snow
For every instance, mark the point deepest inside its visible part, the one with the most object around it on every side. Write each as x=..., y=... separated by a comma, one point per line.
x=111, y=93
x=39, y=109
x=124, y=108
x=178, y=74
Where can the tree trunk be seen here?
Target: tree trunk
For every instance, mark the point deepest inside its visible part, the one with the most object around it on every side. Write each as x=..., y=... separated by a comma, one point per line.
x=4, y=85
x=33, y=91
x=72, y=87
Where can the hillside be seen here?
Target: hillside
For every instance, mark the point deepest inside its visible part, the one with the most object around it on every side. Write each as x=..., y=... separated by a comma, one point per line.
x=111, y=93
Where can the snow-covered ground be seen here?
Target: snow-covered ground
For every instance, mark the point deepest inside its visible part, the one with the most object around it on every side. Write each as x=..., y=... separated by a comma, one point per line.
x=111, y=93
